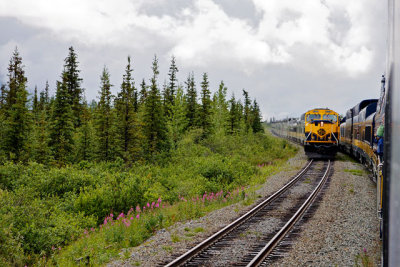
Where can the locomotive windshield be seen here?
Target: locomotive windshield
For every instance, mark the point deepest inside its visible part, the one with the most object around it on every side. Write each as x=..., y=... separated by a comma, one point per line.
x=330, y=117
x=312, y=117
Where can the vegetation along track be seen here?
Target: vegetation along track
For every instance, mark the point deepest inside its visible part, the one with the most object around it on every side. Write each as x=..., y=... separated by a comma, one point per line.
x=248, y=240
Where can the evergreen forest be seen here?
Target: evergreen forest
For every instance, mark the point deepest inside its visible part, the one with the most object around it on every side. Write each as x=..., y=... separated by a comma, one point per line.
x=67, y=163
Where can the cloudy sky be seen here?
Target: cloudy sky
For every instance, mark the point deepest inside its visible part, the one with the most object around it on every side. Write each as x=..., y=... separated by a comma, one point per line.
x=290, y=55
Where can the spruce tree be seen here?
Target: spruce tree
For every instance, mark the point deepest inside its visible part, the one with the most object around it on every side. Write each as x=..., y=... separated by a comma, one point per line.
x=72, y=81
x=234, y=116
x=170, y=90
x=62, y=124
x=191, y=100
x=205, y=110
x=143, y=93
x=127, y=125
x=16, y=113
x=104, y=119
x=16, y=78
x=154, y=120
x=246, y=111
x=18, y=126
x=35, y=103
x=256, y=118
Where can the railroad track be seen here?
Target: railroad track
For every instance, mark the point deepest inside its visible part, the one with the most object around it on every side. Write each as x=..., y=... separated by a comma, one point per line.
x=251, y=238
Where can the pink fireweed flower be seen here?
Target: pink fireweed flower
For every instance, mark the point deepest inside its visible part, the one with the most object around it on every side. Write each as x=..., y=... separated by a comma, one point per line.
x=365, y=250
x=157, y=205
x=59, y=248
x=131, y=218
x=159, y=200
x=111, y=215
x=152, y=204
x=92, y=229
x=148, y=205
x=85, y=232
x=105, y=221
x=138, y=216
x=144, y=208
x=53, y=248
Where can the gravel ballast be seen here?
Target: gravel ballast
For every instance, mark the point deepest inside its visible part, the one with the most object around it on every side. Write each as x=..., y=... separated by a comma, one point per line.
x=346, y=221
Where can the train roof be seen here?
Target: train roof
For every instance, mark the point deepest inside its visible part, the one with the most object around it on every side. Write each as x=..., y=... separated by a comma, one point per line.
x=320, y=109
x=357, y=108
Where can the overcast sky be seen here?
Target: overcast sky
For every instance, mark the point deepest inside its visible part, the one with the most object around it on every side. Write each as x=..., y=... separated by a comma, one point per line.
x=290, y=55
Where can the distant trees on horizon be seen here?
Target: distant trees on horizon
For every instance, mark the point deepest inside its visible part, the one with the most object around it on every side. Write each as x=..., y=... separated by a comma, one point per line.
x=138, y=123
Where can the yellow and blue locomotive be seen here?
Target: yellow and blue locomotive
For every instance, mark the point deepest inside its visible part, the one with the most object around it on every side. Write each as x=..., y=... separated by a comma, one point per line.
x=321, y=132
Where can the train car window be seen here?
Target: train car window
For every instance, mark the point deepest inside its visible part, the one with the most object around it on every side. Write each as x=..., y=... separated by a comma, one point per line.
x=368, y=134
x=330, y=117
x=311, y=117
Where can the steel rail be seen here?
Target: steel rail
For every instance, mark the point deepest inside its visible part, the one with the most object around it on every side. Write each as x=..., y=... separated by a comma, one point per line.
x=212, y=239
x=259, y=258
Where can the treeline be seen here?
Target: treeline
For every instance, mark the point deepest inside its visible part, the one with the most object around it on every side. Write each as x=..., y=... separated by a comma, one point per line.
x=139, y=123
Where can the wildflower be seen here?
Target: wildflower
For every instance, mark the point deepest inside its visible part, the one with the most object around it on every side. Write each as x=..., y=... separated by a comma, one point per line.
x=148, y=205
x=159, y=200
x=365, y=250
x=105, y=221
x=138, y=216
x=152, y=204
x=111, y=215
x=92, y=229
x=59, y=248
x=85, y=232
x=138, y=208
x=157, y=205
x=53, y=248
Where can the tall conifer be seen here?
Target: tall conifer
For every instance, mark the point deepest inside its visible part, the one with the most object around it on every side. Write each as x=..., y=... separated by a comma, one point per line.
x=104, y=120
x=256, y=118
x=72, y=81
x=17, y=115
x=127, y=125
x=191, y=96
x=170, y=89
x=154, y=120
x=205, y=105
x=62, y=124
x=246, y=110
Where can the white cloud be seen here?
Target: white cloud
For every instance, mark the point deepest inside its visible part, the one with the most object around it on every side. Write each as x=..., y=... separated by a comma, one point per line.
x=204, y=34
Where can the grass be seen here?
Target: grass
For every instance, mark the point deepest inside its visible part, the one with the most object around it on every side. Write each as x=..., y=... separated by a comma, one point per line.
x=363, y=259
x=355, y=172
x=344, y=157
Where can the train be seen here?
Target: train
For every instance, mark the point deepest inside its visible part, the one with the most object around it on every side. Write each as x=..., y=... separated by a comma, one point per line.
x=358, y=130
x=317, y=130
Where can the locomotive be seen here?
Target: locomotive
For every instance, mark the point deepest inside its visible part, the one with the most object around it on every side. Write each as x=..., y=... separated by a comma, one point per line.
x=321, y=132
x=317, y=130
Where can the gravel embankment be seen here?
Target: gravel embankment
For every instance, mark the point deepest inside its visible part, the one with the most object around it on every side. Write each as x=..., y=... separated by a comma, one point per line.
x=346, y=219
x=344, y=224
